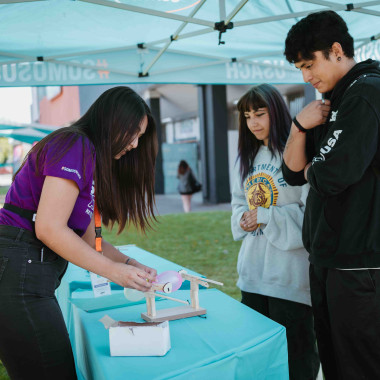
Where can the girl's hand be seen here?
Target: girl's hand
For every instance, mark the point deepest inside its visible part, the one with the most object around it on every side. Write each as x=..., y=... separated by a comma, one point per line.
x=145, y=268
x=129, y=276
x=315, y=113
x=248, y=221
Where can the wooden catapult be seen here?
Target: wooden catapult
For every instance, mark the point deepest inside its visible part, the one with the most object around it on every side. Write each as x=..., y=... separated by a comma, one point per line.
x=153, y=315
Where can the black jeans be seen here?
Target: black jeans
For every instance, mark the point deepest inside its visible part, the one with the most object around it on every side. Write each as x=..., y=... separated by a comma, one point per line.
x=346, y=307
x=297, y=318
x=34, y=343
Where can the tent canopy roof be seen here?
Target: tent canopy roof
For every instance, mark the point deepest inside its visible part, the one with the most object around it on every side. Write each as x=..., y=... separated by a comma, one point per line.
x=66, y=42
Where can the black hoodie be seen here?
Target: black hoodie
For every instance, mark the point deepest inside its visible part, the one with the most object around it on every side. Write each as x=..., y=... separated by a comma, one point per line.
x=341, y=226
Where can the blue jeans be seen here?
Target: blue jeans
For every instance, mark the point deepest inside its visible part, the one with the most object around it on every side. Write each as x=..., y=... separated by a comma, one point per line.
x=34, y=343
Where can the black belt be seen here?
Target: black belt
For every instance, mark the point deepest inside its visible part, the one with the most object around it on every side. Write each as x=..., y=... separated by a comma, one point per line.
x=27, y=214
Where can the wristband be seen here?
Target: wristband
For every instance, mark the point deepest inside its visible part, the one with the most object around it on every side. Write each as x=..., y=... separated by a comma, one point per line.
x=298, y=125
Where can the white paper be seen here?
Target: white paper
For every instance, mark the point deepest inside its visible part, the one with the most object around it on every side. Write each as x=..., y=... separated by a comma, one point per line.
x=100, y=285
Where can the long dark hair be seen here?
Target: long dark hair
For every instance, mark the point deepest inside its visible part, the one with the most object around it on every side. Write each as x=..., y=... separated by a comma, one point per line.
x=263, y=95
x=183, y=167
x=124, y=188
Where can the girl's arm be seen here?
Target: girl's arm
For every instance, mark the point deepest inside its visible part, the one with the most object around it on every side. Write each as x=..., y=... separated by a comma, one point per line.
x=111, y=252
x=239, y=207
x=56, y=204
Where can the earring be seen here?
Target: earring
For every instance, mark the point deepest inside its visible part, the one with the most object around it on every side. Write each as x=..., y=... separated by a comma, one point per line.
x=339, y=58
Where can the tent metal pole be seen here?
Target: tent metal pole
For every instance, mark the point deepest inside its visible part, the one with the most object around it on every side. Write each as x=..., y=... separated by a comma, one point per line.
x=148, y=11
x=192, y=54
x=175, y=51
x=18, y=1
x=222, y=9
x=196, y=33
x=173, y=38
x=182, y=36
x=342, y=6
x=261, y=55
x=20, y=58
x=235, y=11
x=20, y=61
x=151, y=45
x=257, y=55
x=275, y=18
x=92, y=52
x=367, y=12
x=156, y=58
x=366, y=41
x=220, y=62
x=14, y=55
x=358, y=7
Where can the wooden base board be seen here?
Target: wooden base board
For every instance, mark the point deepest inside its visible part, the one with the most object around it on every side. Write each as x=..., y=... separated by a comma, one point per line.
x=174, y=313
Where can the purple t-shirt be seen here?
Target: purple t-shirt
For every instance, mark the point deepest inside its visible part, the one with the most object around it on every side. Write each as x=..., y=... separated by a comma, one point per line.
x=76, y=165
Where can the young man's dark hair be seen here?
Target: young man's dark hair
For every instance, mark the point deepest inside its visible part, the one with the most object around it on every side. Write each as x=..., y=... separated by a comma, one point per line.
x=317, y=32
x=334, y=146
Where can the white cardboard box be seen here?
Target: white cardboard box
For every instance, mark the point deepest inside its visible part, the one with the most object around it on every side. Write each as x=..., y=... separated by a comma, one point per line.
x=137, y=339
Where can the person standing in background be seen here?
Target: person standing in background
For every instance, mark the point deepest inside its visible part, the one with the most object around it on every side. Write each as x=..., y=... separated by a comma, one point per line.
x=188, y=184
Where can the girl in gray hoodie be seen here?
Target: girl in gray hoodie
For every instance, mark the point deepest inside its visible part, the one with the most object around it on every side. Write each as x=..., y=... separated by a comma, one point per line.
x=267, y=215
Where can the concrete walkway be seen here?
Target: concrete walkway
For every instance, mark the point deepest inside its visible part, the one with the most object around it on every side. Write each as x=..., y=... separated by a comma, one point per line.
x=166, y=204
x=172, y=204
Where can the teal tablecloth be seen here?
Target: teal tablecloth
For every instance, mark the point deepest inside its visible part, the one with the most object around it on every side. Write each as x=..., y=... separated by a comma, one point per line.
x=233, y=342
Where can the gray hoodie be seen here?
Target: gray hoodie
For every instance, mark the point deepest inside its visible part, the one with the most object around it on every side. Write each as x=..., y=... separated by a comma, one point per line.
x=272, y=260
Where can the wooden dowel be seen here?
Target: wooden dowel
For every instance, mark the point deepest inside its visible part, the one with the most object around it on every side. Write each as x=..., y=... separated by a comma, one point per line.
x=213, y=282
x=199, y=279
x=172, y=299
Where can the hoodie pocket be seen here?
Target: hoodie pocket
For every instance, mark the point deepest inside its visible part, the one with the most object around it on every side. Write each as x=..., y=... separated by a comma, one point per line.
x=319, y=235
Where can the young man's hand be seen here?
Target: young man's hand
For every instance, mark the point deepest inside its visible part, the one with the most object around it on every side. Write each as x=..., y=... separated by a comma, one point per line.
x=315, y=113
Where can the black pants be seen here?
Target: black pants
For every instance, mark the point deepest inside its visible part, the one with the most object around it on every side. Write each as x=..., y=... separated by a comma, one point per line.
x=346, y=307
x=34, y=342
x=297, y=318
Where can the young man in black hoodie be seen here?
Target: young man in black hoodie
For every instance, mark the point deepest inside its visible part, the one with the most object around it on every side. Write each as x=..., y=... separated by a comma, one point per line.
x=333, y=144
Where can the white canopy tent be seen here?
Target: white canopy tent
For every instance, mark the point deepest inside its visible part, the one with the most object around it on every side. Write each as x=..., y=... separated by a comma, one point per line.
x=74, y=42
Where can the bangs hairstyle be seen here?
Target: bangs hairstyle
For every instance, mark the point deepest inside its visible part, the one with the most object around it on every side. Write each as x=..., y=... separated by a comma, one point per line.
x=124, y=188
x=317, y=32
x=263, y=95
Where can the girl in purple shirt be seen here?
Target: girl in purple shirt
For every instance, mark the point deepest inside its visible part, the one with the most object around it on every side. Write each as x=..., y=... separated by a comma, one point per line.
x=47, y=220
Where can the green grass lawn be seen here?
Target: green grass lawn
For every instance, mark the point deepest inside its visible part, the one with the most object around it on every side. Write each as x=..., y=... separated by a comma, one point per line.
x=3, y=190
x=198, y=241
x=3, y=373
